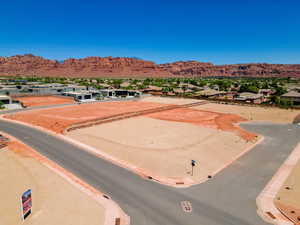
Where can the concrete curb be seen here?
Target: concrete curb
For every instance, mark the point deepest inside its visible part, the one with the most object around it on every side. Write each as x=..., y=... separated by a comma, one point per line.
x=173, y=182
x=265, y=201
x=112, y=211
x=249, y=148
x=139, y=171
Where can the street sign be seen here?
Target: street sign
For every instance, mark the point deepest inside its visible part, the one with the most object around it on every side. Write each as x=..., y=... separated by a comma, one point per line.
x=26, y=204
x=193, y=162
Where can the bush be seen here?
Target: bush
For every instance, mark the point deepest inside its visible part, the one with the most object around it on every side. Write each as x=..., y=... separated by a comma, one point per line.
x=1, y=105
x=283, y=103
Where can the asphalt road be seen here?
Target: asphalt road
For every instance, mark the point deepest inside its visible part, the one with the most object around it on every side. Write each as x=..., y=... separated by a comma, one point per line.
x=226, y=199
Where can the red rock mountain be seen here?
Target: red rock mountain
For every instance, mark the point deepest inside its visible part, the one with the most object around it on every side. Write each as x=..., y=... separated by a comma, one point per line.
x=30, y=65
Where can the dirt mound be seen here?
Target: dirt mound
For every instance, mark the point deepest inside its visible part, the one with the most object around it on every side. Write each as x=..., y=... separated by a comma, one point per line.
x=29, y=65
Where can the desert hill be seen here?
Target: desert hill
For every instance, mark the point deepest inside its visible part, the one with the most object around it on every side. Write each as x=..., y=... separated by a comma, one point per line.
x=30, y=65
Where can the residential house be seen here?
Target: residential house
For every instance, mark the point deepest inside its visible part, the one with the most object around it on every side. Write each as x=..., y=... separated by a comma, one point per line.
x=154, y=90
x=250, y=98
x=266, y=92
x=211, y=93
x=293, y=96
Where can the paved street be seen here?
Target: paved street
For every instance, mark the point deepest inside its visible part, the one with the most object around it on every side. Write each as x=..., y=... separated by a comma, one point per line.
x=227, y=199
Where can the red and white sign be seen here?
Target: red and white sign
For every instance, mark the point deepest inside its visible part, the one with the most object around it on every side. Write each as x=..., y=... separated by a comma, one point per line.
x=26, y=204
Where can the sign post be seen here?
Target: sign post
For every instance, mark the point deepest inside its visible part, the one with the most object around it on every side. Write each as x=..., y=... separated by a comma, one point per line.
x=26, y=204
x=193, y=163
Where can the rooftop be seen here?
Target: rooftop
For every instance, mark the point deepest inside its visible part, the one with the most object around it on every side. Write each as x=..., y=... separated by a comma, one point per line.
x=293, y=94
x=4, y=97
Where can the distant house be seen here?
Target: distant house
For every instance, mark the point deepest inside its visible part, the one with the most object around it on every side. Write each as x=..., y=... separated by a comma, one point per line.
x=79, y=96
x=293, y=88
x=250, y=98
x=4, y=99
x=154, y=90
x=189, y=87
x=117, y=93
x=215, y=87
x=230, y=95
x=8, y=103
x=75, y=88
x=266, y=92
x=9, y=90
x=106, y=86
x=211, y=93
x=296, y=88
x=171, y=93
x=125, y=85
x=178, y=91
x=293, y=96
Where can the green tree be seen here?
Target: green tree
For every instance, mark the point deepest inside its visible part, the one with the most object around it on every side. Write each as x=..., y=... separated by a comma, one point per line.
x=285, y=103
x=280, y=91
x=249, y=88
x=116, y=83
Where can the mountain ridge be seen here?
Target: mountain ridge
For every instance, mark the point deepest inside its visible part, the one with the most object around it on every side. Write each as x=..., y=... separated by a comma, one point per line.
x=94, y=66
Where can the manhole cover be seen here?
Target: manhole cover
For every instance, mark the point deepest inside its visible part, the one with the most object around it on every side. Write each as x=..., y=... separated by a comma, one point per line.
x=186, y=206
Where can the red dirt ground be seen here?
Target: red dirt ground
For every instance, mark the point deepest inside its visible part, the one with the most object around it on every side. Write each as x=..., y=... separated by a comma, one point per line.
x=44, y=100
x=59, y=119
x=27, y=152
x=289, y=211
x=221, y=121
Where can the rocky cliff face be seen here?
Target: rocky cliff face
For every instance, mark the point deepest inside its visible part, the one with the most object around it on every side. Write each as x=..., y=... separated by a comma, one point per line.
x=29, y=65
x=236, y=70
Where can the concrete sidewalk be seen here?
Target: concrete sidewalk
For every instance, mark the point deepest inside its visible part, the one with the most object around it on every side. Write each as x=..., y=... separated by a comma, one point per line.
x=265, y=201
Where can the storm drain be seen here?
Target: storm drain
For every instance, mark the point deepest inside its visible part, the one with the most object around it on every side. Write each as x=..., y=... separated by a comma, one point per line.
x=186, y=206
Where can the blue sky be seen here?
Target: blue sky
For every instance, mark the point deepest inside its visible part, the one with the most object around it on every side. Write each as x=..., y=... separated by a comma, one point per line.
x=221, y=32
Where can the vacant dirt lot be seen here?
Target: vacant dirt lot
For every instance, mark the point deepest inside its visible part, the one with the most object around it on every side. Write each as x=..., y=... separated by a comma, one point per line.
x=55, y=201
x=168, y=100
x=162, y=142
x=165, y=147
x=253, y=113
x=220, y=121
x=44, y=100
x=59, y=119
